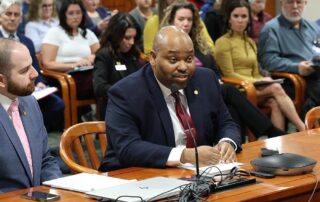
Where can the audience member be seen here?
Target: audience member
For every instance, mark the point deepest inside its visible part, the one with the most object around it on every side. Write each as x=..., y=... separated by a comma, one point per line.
x=153, y=136
x=141, y=13
x=186, y=17
x=24, y=153
x=51, y=106
x=41, y=17
x=208, y=5
x=288, y=43
x=259, y=17
x=117, y=57
x=153, y=23
x=97, y=17
x=71, y=45
x=215, y=21
x=236, y=56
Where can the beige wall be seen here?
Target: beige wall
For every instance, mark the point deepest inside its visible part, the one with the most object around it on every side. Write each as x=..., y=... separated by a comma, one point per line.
x=311, y=11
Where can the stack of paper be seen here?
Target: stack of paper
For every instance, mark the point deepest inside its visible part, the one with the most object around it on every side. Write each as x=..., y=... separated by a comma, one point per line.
x=85, y=182
x=212, y=170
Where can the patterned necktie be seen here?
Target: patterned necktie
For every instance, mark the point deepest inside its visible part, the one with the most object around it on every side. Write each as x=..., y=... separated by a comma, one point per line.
x=17, y=123
x=180, y=109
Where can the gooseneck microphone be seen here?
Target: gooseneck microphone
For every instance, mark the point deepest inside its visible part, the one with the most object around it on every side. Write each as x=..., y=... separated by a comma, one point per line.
x=174, y=89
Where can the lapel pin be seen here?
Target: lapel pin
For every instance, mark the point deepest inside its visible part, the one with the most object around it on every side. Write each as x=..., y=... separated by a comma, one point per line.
x=196, y=92
x=24, y=113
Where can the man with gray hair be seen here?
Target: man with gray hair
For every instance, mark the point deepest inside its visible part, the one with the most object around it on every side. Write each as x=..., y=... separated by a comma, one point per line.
x=288, y=43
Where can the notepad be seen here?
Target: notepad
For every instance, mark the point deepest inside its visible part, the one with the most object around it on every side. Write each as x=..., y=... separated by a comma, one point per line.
x=43, y=92
x=267, y=82
x=85, y=182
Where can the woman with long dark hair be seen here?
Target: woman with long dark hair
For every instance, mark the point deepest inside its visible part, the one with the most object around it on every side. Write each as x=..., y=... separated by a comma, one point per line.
x=118, y=56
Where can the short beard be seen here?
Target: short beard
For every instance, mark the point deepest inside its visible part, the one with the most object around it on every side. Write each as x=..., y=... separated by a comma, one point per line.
x=18, y=91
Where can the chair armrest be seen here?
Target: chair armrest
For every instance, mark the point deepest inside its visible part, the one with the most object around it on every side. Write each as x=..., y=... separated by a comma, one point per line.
x=299, y=87
x=248, y=87
x=60, y=77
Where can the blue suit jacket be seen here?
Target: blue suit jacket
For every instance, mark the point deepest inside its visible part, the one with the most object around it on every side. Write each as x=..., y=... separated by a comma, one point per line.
x=139, y=127
x=14, y=169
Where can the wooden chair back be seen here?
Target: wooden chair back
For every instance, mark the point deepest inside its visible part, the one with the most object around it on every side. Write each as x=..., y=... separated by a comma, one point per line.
x=60, y=78
x=79, y=146
x=312, y=118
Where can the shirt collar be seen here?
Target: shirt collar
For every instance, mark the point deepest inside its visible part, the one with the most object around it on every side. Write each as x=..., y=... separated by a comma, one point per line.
x=5, y=102
x=288, y=24
x=166, y=91
x=6, y=34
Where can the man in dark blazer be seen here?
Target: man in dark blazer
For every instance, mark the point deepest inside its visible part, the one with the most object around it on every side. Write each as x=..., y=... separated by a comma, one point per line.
x=142, y=126
x=17, y=82
x=52, y=106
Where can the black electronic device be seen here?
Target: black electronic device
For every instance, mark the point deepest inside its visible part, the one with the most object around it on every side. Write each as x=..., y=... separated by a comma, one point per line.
x=40, y=196
x=174, y=88
x=232, y=183
x=268, y=152
x=284, y=164
x=262, y=174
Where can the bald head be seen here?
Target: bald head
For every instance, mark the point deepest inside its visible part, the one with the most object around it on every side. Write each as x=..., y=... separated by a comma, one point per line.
x=6, y=48
x=166, y=35
x=172, y=57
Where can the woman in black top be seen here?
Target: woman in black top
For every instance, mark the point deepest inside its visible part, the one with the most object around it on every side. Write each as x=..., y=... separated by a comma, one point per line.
x=117, y=57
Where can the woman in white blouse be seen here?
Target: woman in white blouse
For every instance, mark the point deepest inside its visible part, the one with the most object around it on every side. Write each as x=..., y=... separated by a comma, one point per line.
x=41, y=17
x=69, y=45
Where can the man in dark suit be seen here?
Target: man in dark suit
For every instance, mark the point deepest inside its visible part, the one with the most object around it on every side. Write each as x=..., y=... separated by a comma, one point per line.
x=143, y=128
x=24, y=162
x=52, y=106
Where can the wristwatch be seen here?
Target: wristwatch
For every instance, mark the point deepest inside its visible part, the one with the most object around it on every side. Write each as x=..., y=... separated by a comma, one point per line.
x=231, y=143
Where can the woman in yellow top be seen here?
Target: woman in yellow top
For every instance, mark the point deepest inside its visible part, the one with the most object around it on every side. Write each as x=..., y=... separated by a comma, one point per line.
x=153, y=23
x=236, y=55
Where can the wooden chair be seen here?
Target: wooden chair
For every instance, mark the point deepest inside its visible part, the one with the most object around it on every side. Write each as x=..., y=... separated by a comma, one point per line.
x=312, y=118
x=64, y=91
x=70, y=99
x=299, y=88
x=78, y=137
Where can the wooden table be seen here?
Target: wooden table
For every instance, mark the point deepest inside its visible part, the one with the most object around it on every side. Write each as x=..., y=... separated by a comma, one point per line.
x=281, y=188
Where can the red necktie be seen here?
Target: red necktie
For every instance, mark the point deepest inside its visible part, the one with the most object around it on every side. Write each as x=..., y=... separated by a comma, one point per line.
x=183, y=120
x=17, y=123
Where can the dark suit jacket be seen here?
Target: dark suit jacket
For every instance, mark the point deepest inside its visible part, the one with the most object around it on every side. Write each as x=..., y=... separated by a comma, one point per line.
x=14, y=168
x=139, y=127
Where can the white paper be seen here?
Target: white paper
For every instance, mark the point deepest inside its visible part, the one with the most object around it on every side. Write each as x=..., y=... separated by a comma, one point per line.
x=43, y=92
x=85, y=182
x=213, y=169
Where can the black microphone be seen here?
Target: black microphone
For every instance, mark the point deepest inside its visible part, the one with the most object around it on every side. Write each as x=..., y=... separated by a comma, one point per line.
x=175, y=88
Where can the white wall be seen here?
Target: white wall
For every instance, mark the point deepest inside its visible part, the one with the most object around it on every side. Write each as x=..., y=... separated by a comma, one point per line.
x=311, y=10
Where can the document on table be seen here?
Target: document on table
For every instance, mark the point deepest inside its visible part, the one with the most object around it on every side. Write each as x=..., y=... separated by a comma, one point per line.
x=212, y=170
x=85, y=182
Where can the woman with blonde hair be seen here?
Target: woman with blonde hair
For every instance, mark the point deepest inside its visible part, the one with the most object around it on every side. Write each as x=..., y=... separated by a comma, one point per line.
x=42, y=15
